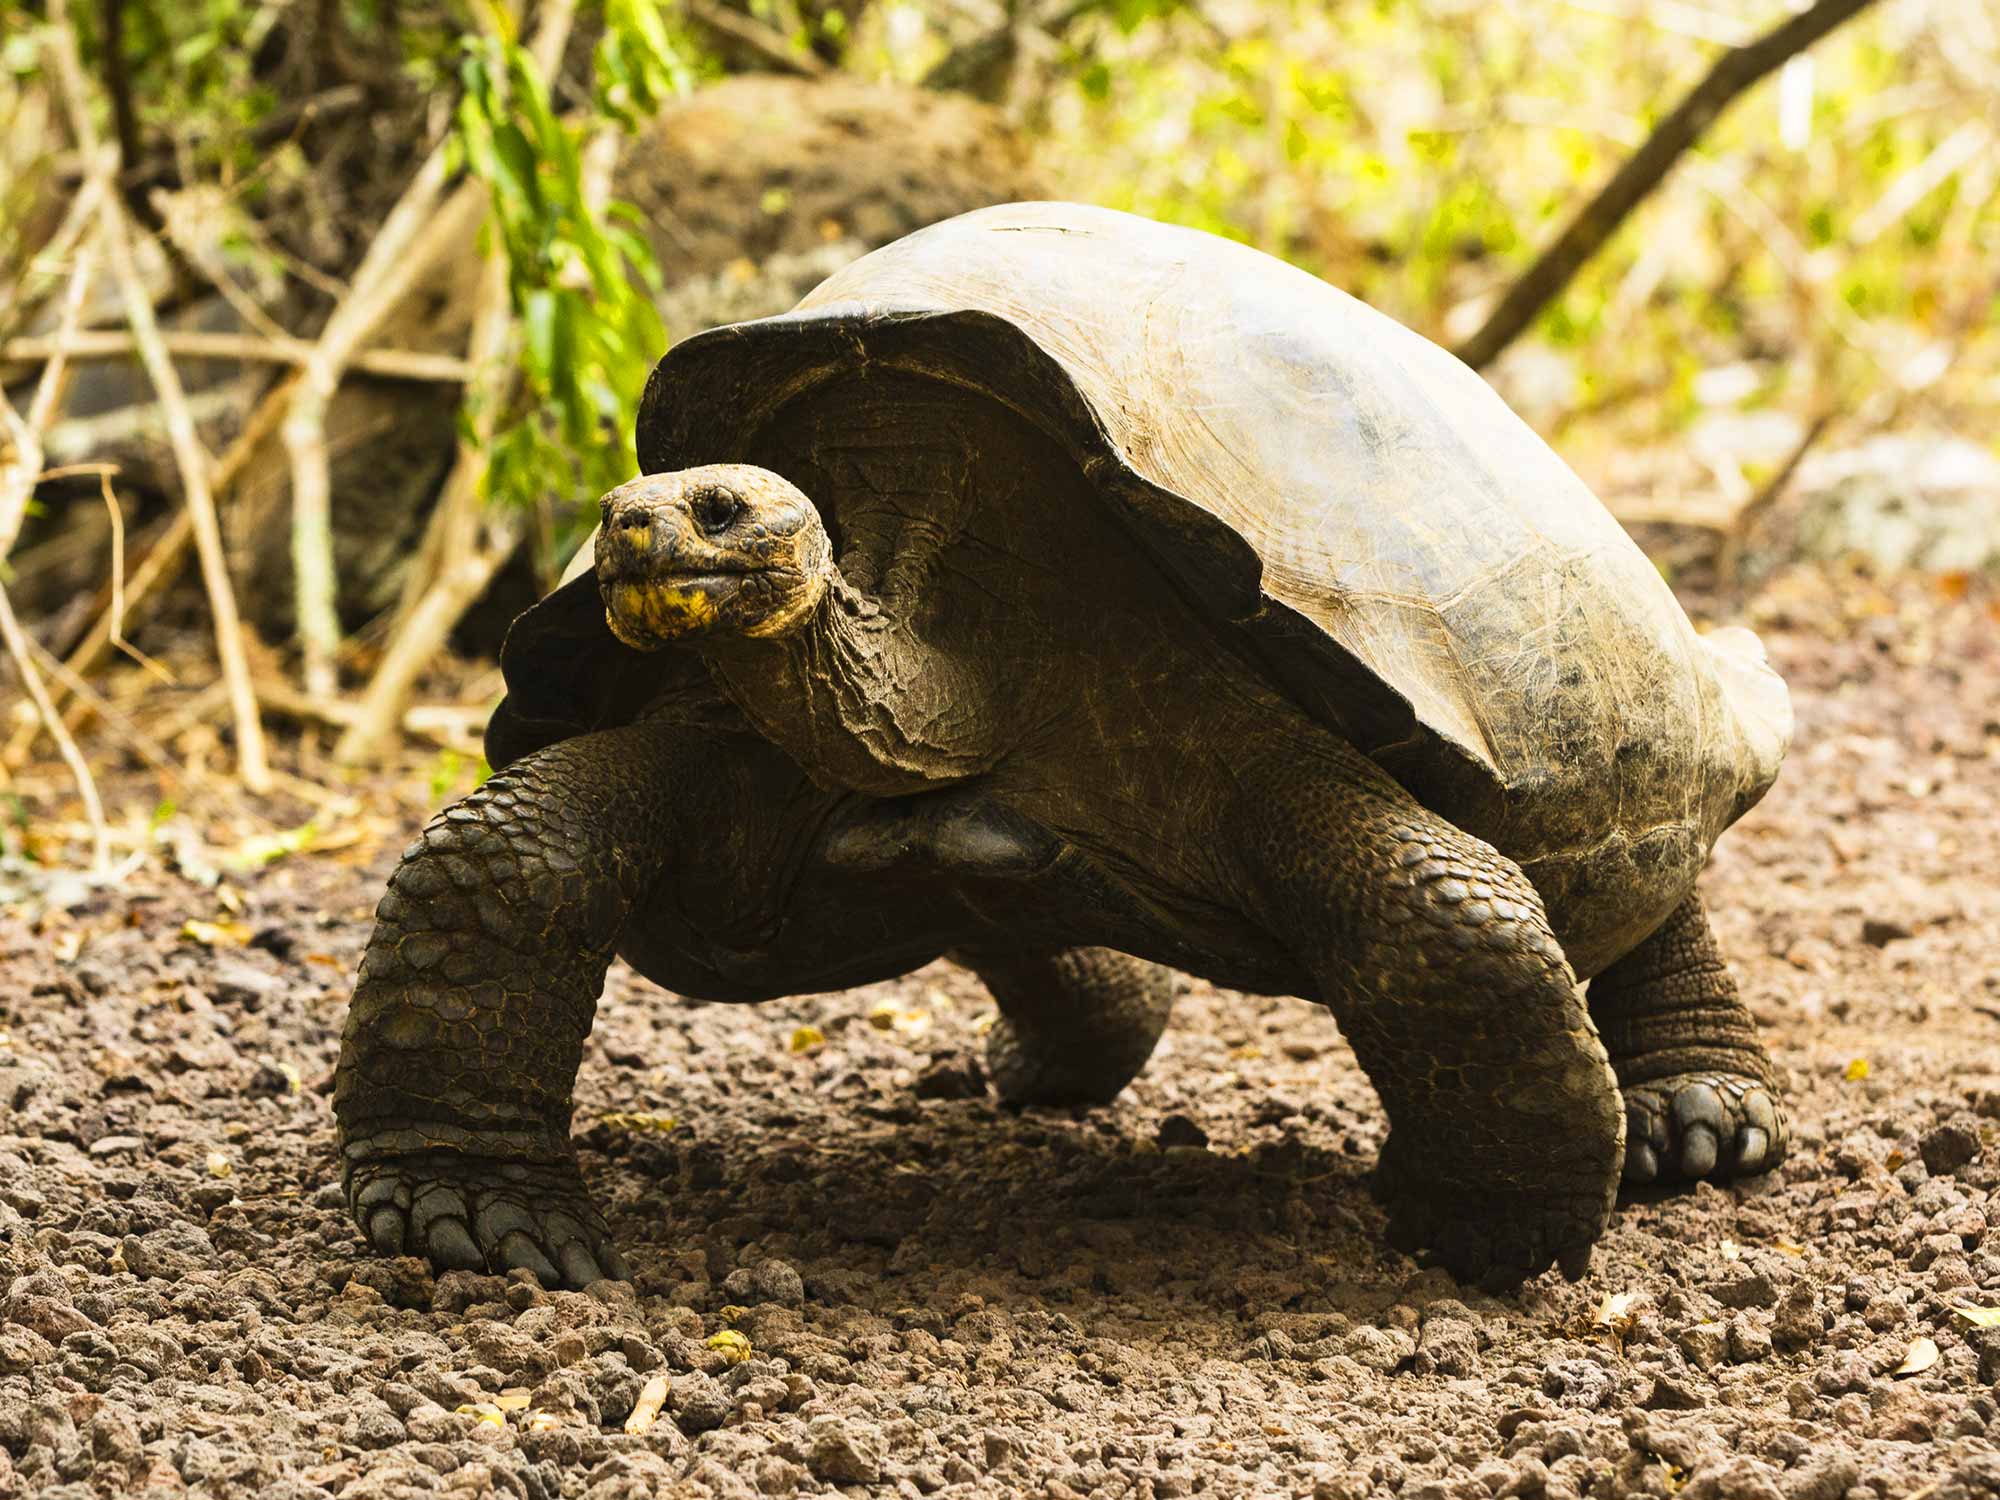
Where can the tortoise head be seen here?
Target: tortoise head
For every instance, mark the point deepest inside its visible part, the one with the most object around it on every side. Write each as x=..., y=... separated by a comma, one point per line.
x=725, y=550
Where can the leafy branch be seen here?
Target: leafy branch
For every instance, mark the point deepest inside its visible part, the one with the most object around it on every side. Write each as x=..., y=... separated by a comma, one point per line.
x=580, y=278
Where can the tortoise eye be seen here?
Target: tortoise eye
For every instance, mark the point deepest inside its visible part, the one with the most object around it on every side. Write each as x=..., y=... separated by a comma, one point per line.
x=716, y=510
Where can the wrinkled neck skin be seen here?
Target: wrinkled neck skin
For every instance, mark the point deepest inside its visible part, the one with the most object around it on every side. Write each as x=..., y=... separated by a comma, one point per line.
x=861, y=700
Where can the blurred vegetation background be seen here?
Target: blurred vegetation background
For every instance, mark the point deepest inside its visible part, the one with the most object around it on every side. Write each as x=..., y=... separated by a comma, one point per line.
x=408, y=262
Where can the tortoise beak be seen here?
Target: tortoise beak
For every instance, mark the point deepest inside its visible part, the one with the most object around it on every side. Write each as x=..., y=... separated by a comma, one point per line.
x=661, y=573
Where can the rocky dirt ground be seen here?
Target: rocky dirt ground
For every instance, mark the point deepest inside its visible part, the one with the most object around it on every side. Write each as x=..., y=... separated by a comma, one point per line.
x=856, y=1272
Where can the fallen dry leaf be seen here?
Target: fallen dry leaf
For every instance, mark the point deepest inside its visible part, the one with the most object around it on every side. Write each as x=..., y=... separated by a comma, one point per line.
x=1923, y=1354
x=806, y=1038
x=1616, y=1308
x=1979, y=1317
x=1857, y=1070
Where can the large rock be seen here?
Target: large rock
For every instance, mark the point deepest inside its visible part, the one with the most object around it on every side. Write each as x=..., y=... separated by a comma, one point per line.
x=1926, y=501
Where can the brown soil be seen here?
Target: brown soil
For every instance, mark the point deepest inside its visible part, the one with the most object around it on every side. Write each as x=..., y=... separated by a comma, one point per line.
x=1185, y=1293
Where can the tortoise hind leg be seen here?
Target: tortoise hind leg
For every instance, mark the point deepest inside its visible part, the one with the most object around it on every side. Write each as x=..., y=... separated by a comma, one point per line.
x=1701, y=1096
x=1075, y=1025
x=1436, y=957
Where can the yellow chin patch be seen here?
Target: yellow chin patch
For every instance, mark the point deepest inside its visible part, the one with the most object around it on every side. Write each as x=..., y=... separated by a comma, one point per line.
x=645, y=615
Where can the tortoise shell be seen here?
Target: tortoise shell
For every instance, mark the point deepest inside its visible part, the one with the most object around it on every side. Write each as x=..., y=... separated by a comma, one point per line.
x=1395, y=548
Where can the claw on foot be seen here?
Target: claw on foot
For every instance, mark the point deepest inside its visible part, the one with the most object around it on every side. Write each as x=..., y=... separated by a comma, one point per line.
x=1698, y=1125
x=470, y=1213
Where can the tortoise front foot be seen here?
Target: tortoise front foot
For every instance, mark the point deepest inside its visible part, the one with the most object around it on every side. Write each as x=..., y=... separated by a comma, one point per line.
x=1696, y=1125
x=1485, y=1233
x=482, y=1213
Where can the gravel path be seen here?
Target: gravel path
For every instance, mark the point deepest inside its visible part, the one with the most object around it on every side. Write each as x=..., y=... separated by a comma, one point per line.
x=856, y=1271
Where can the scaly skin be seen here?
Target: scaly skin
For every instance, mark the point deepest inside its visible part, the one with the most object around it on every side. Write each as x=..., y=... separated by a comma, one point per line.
x=475, y=996
x=1701, y=1096
x=1437, y=959
x=1075, y=1026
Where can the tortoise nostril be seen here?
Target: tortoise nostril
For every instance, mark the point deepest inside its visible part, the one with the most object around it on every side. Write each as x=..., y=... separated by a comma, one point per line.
x=636, y=526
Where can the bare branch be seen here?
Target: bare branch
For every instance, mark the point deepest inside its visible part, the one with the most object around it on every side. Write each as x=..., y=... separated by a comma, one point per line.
x=400, y=250
x=24, y=472
x=1733, y=72
x=81, y=215
x=394, y=364
x=385, y=274
x=15, y=489
x=192, y=462
x=19, y=647
x=754, y=37
x=118, y=84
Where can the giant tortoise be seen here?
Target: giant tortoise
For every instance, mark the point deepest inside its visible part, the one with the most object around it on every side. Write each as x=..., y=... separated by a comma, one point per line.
x=1087, y=598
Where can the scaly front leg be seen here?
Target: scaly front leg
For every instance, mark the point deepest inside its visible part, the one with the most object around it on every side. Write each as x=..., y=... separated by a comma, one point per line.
x=470, y=1011
x=1505, y=1128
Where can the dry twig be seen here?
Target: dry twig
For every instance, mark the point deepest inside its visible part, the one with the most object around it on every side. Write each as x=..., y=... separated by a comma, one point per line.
x=394, y=364
x=18, y=481
x=192, y=462
x=1729, y=556
x=385, y=274
x=20, y=648
x=17, y=486
x=80, y=216
x=162, y=562
x=451, y=724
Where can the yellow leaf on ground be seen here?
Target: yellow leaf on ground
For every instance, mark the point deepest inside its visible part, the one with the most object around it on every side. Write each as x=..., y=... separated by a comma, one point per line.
x=808, y=1037
x=734, y=1346
x=1979, y=1317
x=639, y=1122
x=215, y=934
x=1857, y=1070
x=482, y=1411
